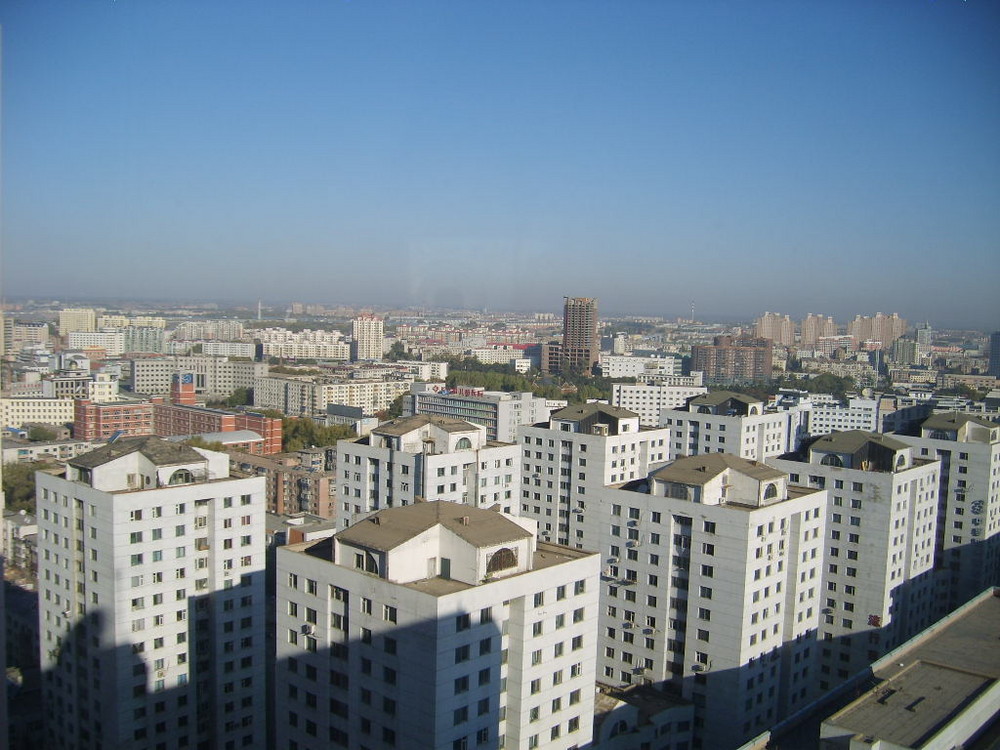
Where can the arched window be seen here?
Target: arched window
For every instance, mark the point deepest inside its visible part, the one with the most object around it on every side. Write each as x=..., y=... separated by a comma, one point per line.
x=463, y=444
x=502, y=559
x=371, y=563
x=832, y=459
x=770, y=491
x=753, y=410
x=181, y=476
x=704, y=410
x=620, y=727
x=900, y=461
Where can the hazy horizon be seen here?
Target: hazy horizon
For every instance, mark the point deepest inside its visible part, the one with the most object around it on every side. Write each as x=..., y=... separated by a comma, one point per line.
x=832, y=158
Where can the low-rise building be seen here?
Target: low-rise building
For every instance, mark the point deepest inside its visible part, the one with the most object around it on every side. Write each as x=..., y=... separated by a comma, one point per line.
x=500, y=412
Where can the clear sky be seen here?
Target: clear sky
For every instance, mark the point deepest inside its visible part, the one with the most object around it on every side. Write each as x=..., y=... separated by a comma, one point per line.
x=796, y=156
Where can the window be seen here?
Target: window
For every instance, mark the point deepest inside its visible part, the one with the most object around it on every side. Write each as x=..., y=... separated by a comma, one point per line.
x=462, y=622
x=388, y=613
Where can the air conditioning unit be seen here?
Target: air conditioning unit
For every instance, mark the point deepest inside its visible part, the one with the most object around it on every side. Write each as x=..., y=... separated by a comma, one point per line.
x=308, y=628
x=161, y=673
x=612, y=560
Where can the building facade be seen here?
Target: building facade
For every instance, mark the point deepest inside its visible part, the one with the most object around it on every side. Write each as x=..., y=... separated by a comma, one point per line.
x=581, y=344
x=425, y=457
x=648, y=400
x=151, y=583
x=368, y=334
x=500, y=412
x=733, y=360
x=436, y=626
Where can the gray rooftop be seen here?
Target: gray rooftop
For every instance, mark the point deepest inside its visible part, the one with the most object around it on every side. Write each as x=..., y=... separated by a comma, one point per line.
x=392, y=527
x=954, y=421
x=698, y=470
x=852, y=441
x=923, y=687
x=577, y=412
x=716, y=398
x=404, y=425
x=157, y=450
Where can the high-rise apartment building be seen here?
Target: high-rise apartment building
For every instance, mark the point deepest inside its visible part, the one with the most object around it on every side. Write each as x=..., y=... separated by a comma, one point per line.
x=581, y=344
x=368, y=334
x=500, y=412
x=733, y=360
x=815, y=327
x=77, y=319
x=425, y=457
x=727, y=422
x=711, y=584
x=777, y=327
x=880, y=328
x=648, y=400
x=580, y=450
x=436, y=626
x=881, y=522
x=151, y=600
x=968, y=524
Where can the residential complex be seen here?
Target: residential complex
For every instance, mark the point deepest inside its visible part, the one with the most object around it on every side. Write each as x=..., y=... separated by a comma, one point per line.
x=310, y=397
x=436, y=626
x=649, y=400
x=733, y=360
x=213, y=376
x=151, y=584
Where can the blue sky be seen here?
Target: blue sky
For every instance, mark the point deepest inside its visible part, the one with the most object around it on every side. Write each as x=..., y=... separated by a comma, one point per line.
x=834, y=157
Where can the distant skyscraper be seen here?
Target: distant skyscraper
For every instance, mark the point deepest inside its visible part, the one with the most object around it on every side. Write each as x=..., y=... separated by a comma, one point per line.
x=881, y=327
x=814, y=327
x=733, y=360
x=995, y=354
x=779, y=328
x=368, y=334
x=581, y=347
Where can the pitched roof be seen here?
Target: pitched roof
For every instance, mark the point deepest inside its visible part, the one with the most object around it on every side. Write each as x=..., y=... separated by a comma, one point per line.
x=851, y=441
x=404, y=425
x=577, y=412
x=715, y=398
x=698, y=470
x=954, y=421
x=392, y=527
x=157, y=450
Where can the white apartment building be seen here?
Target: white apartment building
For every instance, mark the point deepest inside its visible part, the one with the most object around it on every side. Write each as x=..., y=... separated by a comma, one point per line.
x=151, y=600
x=648, y=400
x=968, y=528
x=579, y=451
x=435, y=626
x=881, y=523
x=425, y=370
x=308, y=350
x=225, y=330
x=227, y=349
x=112, y=341
x=500, y=412
x=18, y=411
x=425, y=457
x=727, y=422
x=368, y=334
x=308, y=397
x=624, y=366
x=858, y=414
x=125, y=321
x=213, y=376
x=712, y=583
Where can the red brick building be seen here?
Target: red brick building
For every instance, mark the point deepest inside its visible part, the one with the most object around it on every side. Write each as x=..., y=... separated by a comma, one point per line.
x=180, y=419
x=93, y=421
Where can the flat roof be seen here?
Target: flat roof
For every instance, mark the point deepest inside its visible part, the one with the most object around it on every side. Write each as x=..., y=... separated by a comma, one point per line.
x=924, y=687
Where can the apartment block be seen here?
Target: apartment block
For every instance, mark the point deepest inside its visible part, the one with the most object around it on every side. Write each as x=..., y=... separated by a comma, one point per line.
x=968, y=524
x=151, y=583
x=436, y=626
x=77, y=319
x=425, y=457
x=94, y=421
x=881, y=525
x=581, y=344
x=22, y=410
x=727, y=422
x=711, y=588
x=182, y=419
x=367, y=332
x=213, y=376
x=300, y=397
x=500, y=412
x=733, y=360
x=579, y=451
x=648, y=400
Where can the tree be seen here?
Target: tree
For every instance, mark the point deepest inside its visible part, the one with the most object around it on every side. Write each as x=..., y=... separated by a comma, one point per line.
x=396, y=352
x=39, y=434
x=19, y=484
x=300, y=432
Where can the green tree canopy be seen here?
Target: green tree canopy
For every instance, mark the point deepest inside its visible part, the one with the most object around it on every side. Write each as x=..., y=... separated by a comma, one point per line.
x=19, y=484
x=299, y=433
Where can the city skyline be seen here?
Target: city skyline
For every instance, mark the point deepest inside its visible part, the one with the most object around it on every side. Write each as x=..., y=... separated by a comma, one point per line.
x=832, y=159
